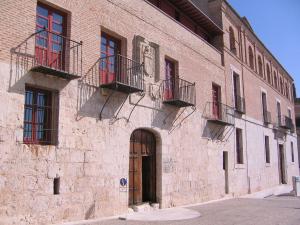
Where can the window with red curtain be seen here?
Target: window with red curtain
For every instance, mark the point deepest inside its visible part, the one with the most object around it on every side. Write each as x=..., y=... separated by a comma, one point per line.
x=49, y=50
x=110, y=48
x=37, y=116
x=170, y=79
x=216, y=103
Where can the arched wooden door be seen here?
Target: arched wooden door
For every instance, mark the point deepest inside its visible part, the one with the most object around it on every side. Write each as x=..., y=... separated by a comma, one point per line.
x=142, y=167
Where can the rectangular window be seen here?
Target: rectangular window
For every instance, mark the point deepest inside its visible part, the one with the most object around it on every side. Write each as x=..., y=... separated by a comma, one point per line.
x=267, y=149
x=110, y=65
x=170, y=83
x=289, y=113
x=264, y=107
x=216, y=103
x=236, y=91
x=50, y=46
x=239, y=146
x=279, y=113
x=292, y=152
x=38, y=117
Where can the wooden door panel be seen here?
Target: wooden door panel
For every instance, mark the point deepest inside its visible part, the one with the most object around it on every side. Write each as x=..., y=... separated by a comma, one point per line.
x=137, y=189
x=142, y=171
x=216, y=101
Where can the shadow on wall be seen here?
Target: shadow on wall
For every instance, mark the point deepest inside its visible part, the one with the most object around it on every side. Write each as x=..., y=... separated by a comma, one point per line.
x=216, y=132
x=90, y=213
x=20, y=74
x=169, y=117
x=91, y=100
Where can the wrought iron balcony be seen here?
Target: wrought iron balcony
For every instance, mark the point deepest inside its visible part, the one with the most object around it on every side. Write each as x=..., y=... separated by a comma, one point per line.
x=240, y=105
x=219, y=113
x=285, y=122
x=52, y=54
x=178, y=92
x=119, y=73
x=267, y=117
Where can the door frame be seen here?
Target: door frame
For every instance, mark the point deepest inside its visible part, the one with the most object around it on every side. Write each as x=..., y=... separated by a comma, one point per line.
x=225, y=168
x=155, y=168
x=282, y=164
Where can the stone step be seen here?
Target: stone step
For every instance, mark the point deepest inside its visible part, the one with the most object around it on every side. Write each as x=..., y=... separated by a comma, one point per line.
x=145, y=207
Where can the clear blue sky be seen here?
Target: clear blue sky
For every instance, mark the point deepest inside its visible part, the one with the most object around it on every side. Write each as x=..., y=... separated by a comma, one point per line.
x=277, y=24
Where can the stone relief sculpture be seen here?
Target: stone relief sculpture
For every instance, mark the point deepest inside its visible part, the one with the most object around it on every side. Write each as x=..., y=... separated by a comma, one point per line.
x=148, y=53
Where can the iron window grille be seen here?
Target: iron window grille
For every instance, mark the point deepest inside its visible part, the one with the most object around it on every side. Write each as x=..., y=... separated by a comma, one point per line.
x=40, y=117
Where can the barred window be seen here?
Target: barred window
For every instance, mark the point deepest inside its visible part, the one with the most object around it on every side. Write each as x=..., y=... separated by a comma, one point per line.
x=292, y=152
x=239, y=146
x=39, y=117
x=267, y=149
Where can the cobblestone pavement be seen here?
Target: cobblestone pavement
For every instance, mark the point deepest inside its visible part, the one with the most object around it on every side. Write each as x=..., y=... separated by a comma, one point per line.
x=279, y=210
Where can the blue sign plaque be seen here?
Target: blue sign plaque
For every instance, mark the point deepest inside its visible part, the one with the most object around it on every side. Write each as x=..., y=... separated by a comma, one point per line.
x=123, y=182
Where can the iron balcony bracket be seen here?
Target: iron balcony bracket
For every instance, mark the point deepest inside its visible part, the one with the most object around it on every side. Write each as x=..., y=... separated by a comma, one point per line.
x=142, y=95
x=106, y=101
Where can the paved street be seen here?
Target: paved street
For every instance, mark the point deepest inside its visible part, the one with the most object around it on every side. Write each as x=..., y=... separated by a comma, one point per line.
x=279, y=210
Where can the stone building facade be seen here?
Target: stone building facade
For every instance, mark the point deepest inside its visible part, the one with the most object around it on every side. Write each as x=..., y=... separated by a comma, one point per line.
x=297, y=114
x=114, y=103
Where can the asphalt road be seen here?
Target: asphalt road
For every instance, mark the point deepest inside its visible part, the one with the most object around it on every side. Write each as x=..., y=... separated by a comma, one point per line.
x=279, y=210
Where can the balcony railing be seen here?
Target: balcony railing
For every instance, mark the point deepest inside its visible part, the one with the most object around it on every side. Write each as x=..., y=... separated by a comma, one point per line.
x=240, y=105
x=51, y=53
x=219, y=113
x=267, y=117
x=178, y=92
x=285, y=122
x=118, y=73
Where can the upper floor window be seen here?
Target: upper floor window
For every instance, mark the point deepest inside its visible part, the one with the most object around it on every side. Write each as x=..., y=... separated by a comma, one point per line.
x=297, y=122
x=278, y=113
x=293, y=91
x=287, y=91
x=40, y=122
x=232, y=41
x=110, y=48
x=236, y=91
x=275, y=80
x=268, y=74
x=260, y=66
x=170, y=75
x=251, y=58
x=289, y=113
x=281, y=85
x=266, y=118
x=50, y=46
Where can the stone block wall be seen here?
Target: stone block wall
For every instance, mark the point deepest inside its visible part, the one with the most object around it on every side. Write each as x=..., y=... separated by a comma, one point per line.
x=92, y=155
